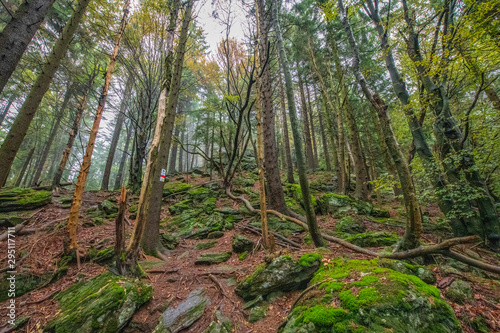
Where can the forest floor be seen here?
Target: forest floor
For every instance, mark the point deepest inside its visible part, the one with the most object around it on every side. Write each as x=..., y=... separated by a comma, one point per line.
x=173, y=280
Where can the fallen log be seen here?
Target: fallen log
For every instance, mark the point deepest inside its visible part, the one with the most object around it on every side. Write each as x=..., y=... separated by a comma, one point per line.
x=442, y=248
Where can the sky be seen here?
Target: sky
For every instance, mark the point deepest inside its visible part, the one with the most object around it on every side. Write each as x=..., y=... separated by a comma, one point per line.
x=214, y=31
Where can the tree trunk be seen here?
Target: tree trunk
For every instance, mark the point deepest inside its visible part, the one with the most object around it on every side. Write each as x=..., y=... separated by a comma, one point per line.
x=181, y=151
x=414, y=215
x=175, y=148
x=25, y=167
x=301, y=166
x=361, y=191
x=324, y=141
x=305, y=120
x=6, y=111
x=272, y=172
x=286, y=138
x=84, y=170
x=23, y=120
x=123, y=161
x=59, y=116
x=17, y=34
x=56, y=181
x=313, y=131
x=146, y=230
x=116, y=135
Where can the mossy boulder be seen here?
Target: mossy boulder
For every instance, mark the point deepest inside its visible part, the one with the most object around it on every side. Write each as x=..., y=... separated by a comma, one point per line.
x=101, y=257
x=206, y=245
x=257, y=313
x=282, y=274
x=102, y=304
x=459, y=291
x=278, y=225
x=182, y=316
x=169, y=241
x=180, y=207
x=340, y=205
x=350, y=225
x=213, y=258
x=175, y=187
x=108, y=207
x=24, y=283
x=373, y=239
x=10, y=220
x=360, y=296
x=23, y=199
x=422, y=272
x=199, y=194
x=209, y=205
x=295, y=192
x=221, y=324
x=379, y=212
x=242, y=244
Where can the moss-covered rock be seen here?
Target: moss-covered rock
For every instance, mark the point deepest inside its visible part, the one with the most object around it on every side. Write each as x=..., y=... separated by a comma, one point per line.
x=108, y=207
x=373, y=239
x=103, y=304
x=379, y=212
x=242, y=244
x=24, y=283
x=350, y=225
x=7, y=220
x=257, y=313
x=206, y=245
x=340, y=205
x=182, y=316
x=283, y=274
x=360, y=296
x=101, y=257
x=209, y=205
x=422, y=272
x=180, y=207
x=23, y=199
x=221, y=324
x=199, y=194
x=213, y=258
x=175, y=187
x=169, y=241
x=278, y=225
x=459, y=291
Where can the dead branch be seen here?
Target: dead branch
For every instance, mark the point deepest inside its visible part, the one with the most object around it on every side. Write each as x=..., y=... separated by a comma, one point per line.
x=441, y=248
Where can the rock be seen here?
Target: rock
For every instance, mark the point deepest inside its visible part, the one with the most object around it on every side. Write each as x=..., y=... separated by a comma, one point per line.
x=185, y=314
x=282, y=274
x=169, y=241
x=175, y=187
x=360, y=296
x=205, y=246
x=296, y=192
x=340, y=205
x=215, y=234
x=257, y=313
x=252, y=303
x=108, y=207
x=373, y=239
x=221, y=324
x=101, y=257
x=377, y=212
x=459, y=291
x=23, y=199
x=242, y=244
x=209, y=205
x=212, y=258
x=422, y=272
x=197, y=171
x=350, y=225
x=10, y=221
x=180, y=207
x=103, y=304
x=199, y=194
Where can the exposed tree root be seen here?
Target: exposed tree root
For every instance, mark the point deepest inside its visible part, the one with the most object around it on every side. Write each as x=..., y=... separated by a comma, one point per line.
x=441, y=248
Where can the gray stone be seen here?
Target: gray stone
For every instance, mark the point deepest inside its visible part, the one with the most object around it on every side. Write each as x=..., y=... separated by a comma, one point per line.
x=185, y=314
x=242, y=244
x=459, y=291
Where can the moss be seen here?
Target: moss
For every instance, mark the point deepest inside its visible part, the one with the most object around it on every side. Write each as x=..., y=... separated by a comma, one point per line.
x=133, y=209
x=102, y=304
x=103, y=256
x=209, y=205
x=180, y=207
x=310, y=258
x=22, y=199
x=206, y=245
x=175, y=187
x=373, y=239
x=243, y=255
x=360, y=296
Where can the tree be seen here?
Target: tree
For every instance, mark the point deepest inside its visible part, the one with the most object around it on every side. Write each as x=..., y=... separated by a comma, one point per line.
x=18, y=130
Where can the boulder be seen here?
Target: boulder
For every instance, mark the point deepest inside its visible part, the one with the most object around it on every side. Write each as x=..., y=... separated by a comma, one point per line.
x=102, y=304
x=199, y=194
x=257, y=313
x=242, y=244
x=341, y=205
x=459, y=291
x=373, y=239
x=282, y=274
x=108, y=207
x=175, y=187
x=360, y=296
x=350, y=225
x=422, y=272
x=206, y=245
x=169, y=241
x=185, y=314
x=180, y=207
x=221, y=324
x=23, y=199
x=10, y=220
x=212, y=258
x=378, y=212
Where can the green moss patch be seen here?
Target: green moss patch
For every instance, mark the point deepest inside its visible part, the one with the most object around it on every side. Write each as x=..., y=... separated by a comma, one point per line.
x=102, y=304
x=373, y=239
x=361, y=296
x=23, y=199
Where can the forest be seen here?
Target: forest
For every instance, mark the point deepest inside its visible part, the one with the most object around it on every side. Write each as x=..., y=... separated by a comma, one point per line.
x=216, y=166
